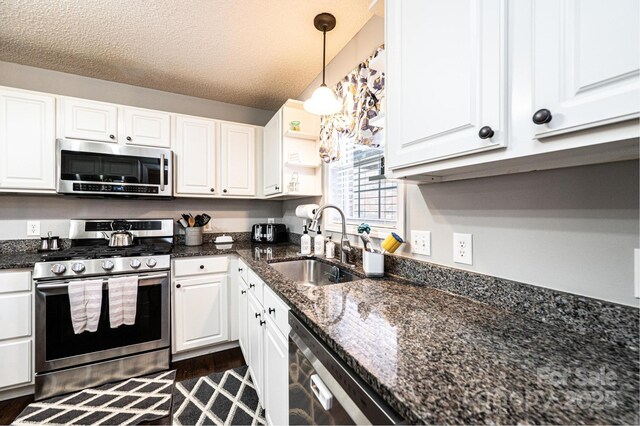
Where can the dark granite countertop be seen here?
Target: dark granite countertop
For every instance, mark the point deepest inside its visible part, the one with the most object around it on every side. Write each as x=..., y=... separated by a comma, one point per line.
x=441, y=358
x=18, y=259
x=437, y=357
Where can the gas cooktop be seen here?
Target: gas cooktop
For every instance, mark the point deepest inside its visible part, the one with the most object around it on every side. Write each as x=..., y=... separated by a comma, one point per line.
x=101, y=251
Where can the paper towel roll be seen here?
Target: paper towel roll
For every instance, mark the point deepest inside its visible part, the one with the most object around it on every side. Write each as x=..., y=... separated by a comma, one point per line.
x=306, y=211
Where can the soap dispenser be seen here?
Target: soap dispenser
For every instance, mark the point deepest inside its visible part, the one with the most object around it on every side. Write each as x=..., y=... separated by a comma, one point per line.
x=318, y=243
x=305, y=242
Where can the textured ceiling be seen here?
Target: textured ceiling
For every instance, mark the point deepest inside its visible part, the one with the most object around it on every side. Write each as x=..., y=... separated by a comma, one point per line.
x=248, y=52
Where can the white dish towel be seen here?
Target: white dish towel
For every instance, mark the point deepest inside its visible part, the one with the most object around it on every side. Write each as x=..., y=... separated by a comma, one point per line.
x=123, y=300
x=85, y=300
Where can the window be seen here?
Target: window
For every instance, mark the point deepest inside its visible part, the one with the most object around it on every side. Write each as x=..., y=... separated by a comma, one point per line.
x=357, y=185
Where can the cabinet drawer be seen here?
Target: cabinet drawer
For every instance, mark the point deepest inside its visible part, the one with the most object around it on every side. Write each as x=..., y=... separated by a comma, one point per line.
x=256, y=286
x=15, y=281
x=15, y=315
x=200, y=266
x=276, y=310
x=243, y=271
x=15, y=368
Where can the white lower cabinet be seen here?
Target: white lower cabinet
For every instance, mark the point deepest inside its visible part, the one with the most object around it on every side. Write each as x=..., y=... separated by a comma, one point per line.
x=256, y=340
x=276, y=375
x=264, y=341
x=200, y=315
x=16, y=333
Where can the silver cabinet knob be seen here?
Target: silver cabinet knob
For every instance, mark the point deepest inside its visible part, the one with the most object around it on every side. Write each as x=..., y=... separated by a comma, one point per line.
x=151, y=263
x=135, y=263
x=107, y=265
x=77, y=267
x=58, y=269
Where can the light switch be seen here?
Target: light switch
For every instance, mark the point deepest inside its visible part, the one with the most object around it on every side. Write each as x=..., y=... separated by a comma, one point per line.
x=421, y=242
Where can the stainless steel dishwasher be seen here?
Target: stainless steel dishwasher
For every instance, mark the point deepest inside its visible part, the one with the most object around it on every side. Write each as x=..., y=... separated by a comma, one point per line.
x=323, y=390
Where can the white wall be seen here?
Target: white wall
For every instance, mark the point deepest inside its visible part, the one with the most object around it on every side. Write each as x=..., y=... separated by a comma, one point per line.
x=54, y=212
x=59, y=83
x=570, y=229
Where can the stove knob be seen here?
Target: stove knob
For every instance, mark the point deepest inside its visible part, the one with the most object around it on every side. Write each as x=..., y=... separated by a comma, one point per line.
x=77, y=267
x=135, y=263
x=58, y=268
x=107, y=265
x=151, y=263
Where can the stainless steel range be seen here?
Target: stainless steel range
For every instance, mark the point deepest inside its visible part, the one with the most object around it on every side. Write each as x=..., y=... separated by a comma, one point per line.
x=66, y=361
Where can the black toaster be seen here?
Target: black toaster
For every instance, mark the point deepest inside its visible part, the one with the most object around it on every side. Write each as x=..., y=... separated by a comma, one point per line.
x=270, y=233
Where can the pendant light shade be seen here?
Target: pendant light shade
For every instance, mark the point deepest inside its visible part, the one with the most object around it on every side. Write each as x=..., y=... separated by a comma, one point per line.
x=323, y=101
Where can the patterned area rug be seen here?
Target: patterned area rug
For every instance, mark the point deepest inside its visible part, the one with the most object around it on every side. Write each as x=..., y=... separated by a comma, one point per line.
x=122, y=403
x=227, y=398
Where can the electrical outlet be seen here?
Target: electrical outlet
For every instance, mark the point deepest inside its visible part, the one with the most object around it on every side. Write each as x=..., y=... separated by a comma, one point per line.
x=33, y=228
x=271, y=220
x=208, y=227
x=421, y=242
x=636, y=264
x=463, y=248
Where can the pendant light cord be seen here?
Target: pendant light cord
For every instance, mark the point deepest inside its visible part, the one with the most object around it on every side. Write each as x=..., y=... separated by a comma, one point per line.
x=324, y=53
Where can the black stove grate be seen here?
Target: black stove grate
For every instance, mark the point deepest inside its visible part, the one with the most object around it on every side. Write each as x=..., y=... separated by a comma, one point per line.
x=101, y=251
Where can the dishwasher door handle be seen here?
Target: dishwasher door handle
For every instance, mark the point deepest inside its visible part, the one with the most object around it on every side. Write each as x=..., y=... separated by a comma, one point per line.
x=321, y=392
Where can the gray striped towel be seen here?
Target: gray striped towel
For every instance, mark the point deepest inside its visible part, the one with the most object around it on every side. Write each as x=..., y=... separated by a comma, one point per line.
x=123, y=300
x=85, y=300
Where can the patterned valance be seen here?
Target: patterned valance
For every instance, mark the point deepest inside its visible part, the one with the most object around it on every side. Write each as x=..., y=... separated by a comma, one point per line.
x=361, y=92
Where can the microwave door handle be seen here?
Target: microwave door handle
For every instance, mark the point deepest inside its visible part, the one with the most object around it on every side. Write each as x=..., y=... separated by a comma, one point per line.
x=162, y=172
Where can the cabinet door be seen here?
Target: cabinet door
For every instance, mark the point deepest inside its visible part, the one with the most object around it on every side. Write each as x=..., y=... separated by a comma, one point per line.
x=256, y=341
x=445, y=79
x=27, y=141
x=272, y=155
x=15, y=315
x=196, y=162
x=147, y=128
x=276, y=375
x=89, y=120
x=200, y=315
x=15, y=368
x=243, y=313
x=586, y=63
x=238, y=159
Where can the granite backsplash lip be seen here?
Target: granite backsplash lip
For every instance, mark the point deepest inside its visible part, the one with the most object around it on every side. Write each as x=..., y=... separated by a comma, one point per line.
x=437, y=357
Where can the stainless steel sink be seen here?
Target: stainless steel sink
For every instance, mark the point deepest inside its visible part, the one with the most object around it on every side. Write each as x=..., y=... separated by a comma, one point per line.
x=312, y=273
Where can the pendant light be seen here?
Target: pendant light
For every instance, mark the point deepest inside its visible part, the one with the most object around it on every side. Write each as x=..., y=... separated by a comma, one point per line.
x=323, y=101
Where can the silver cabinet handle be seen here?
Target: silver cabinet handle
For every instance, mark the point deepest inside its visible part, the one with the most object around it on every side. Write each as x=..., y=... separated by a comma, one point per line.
x=321, y=392
x=162, y=172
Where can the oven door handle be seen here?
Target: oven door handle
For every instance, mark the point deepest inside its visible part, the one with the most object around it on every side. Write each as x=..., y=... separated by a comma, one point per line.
x=65, y=284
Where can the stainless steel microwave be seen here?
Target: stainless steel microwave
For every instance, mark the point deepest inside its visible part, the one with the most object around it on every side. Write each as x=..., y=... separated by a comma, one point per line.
x=86, y=168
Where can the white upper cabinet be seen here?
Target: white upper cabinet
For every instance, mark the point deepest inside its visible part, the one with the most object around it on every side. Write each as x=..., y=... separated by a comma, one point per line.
x=196, y=156
x=291, y=161
x=586, y=63
x=147, y=128
x=27, y=141
x=89, y=120
x=237, y=159
x=445, y=79
x=272, y=155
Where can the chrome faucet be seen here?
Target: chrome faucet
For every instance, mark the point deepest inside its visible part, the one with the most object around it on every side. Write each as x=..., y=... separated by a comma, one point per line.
x=345, y=246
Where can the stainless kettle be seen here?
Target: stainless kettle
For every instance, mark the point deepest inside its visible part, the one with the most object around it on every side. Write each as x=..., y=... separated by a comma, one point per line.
x=120, y=235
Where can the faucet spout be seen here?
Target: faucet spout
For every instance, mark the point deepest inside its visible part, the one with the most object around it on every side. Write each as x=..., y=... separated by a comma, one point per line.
x=345, y=246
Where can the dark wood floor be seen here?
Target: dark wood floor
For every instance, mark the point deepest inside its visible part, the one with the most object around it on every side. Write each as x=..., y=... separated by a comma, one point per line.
x=187, y=369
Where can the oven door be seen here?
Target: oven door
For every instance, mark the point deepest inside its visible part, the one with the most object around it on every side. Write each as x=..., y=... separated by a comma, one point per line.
x=57, y=346
x=100, y=168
